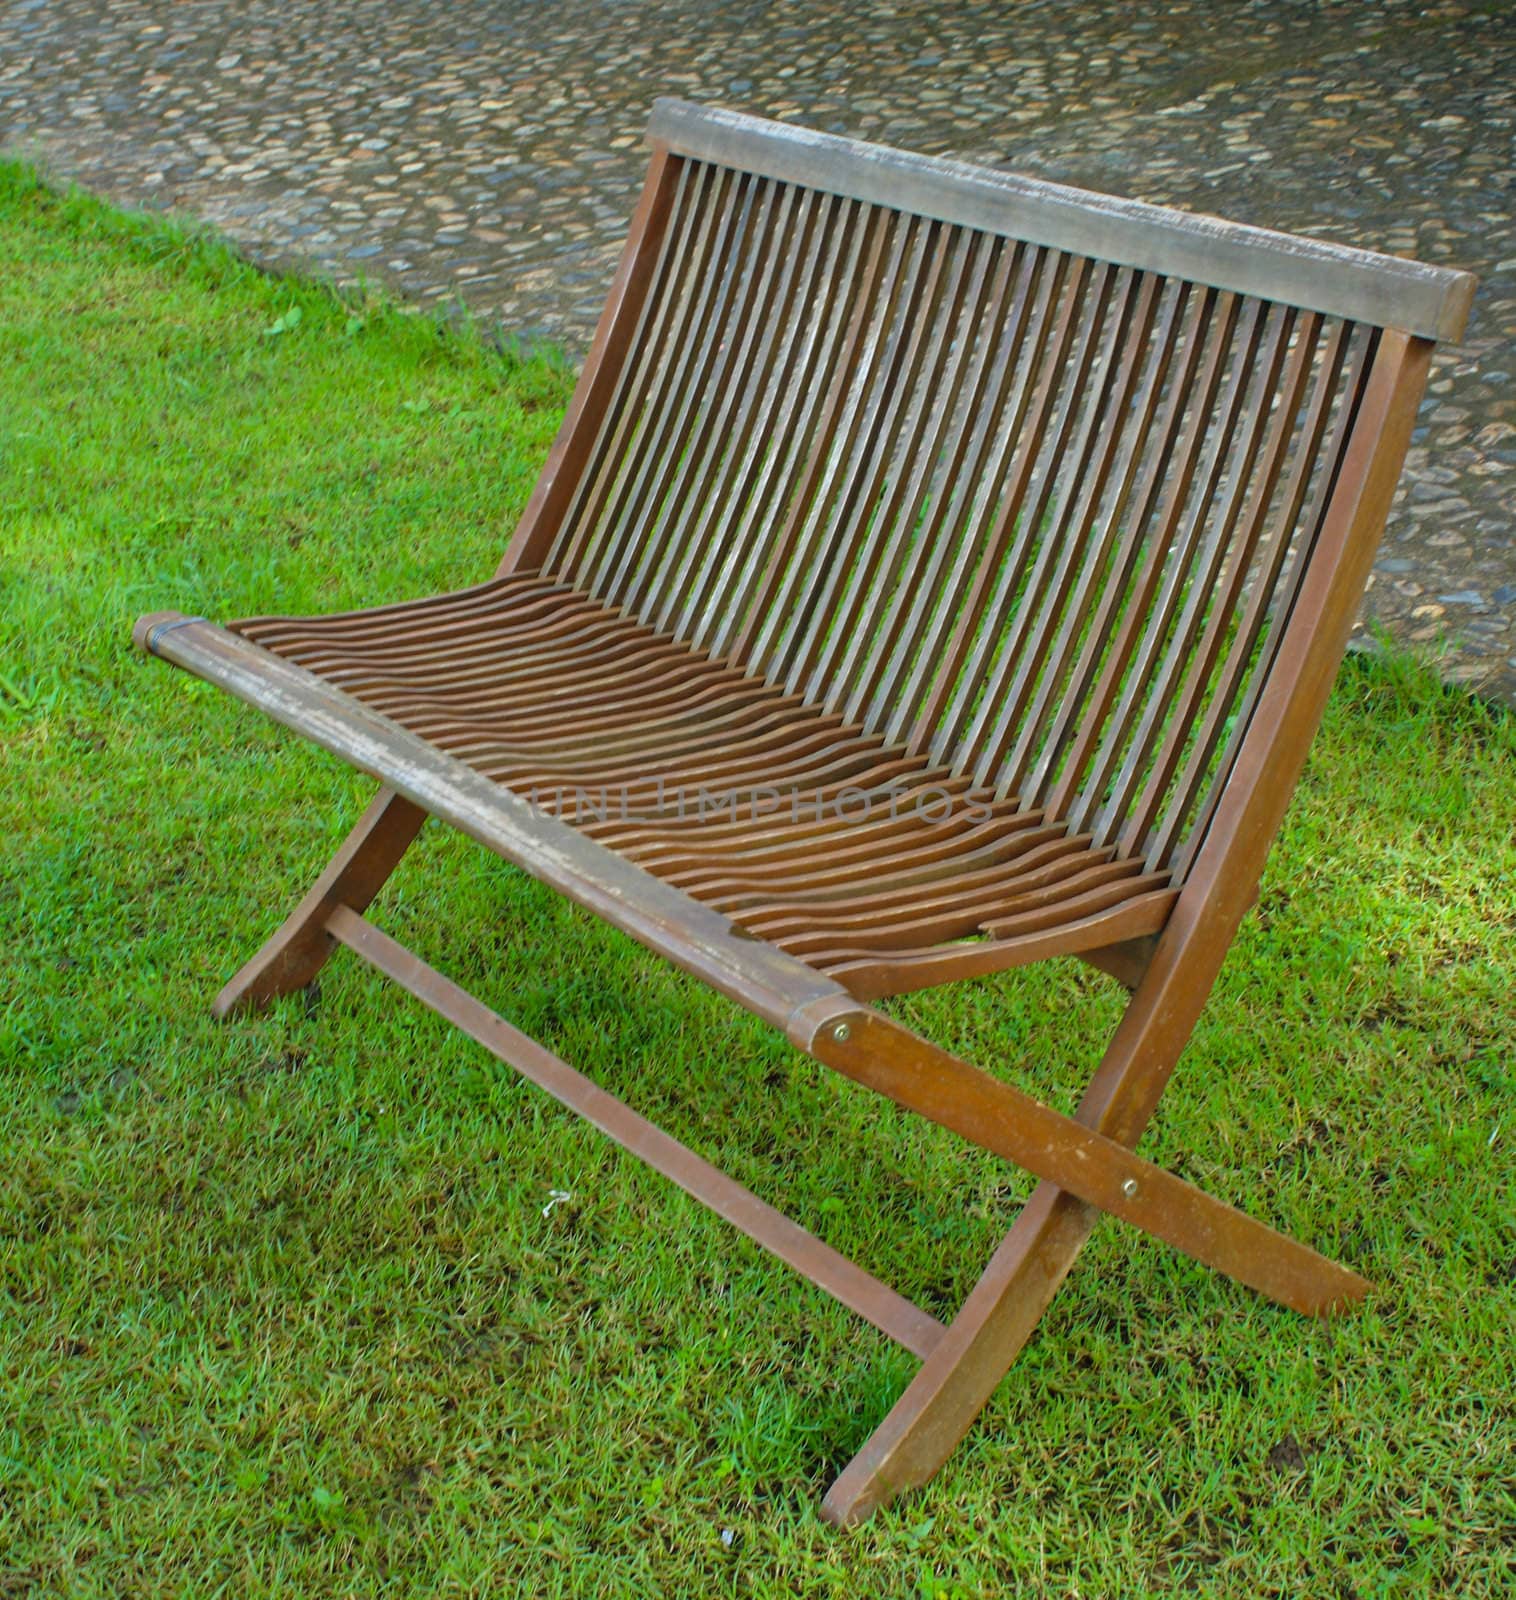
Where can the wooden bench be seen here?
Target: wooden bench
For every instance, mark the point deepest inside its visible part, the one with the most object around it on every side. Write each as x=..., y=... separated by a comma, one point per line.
x=937, y=570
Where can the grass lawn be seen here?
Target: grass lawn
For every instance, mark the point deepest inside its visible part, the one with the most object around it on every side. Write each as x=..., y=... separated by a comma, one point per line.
x=284, y=1308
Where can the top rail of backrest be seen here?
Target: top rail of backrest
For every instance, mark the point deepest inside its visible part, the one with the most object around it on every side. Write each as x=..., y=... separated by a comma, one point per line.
x=1359, y=285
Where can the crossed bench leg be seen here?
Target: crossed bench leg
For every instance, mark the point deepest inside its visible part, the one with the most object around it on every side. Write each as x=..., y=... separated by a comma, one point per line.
x=1086, y=1161
x=1090, y=1154
x=298, y=949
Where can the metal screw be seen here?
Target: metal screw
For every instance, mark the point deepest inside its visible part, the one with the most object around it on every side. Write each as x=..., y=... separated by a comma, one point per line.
x=842, y=1033
x=1129, y=1188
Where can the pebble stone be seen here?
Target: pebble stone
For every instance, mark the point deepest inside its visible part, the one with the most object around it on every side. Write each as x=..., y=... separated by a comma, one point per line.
x=489, y=154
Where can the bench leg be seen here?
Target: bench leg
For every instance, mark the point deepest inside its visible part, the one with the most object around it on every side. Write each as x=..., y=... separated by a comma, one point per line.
x=961, y=1373
x=300, y=947
x=1002, y=1311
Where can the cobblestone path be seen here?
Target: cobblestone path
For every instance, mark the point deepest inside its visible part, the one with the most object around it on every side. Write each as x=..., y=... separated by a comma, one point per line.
x=490, y=150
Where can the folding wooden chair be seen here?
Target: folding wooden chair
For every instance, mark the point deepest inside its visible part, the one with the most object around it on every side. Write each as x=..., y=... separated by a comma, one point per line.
x=936, y=570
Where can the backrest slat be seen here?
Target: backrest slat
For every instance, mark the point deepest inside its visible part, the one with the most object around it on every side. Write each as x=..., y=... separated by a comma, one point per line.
x=1170, y=463
x=1342, y=396
x=875, y=387
x=877, y=657
x=1063, y=698
x=1275, y=551
x=783, y=428
x=754, y=604
x=849, y=538
x=1192, y=587
x=971, y=721
x=891, y=508
x=1130, y=661
x=1257, y=554
x=680, y=387
x=880, y=656
x=1212, y=602
x=1145, y=698
x=1067, y=282
x=1192, y=510
x=947, y=580
x=697, y=443
x=1034, y=514
x=743, y=421
x=683, y=249
x=1040, y=608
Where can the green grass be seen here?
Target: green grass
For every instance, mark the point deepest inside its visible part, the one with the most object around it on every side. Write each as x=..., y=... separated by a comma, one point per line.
x=280, y=1309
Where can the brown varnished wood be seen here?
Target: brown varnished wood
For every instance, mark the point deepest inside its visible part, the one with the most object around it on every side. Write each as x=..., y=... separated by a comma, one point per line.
x=888, y=1058
x=1432, y=302
x=574, y=739
x=987, y=584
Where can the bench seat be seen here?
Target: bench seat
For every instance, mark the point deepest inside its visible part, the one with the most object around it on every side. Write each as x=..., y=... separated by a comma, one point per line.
x=864, y=860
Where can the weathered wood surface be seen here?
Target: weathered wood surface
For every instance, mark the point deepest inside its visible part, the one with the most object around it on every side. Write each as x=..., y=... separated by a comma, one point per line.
x=1360, y=285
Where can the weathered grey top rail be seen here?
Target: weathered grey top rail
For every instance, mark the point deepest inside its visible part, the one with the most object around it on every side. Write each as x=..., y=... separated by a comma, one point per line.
x=1431, y=302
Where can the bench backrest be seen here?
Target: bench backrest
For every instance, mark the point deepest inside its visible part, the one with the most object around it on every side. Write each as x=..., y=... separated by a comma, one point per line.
x=1022, y=478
